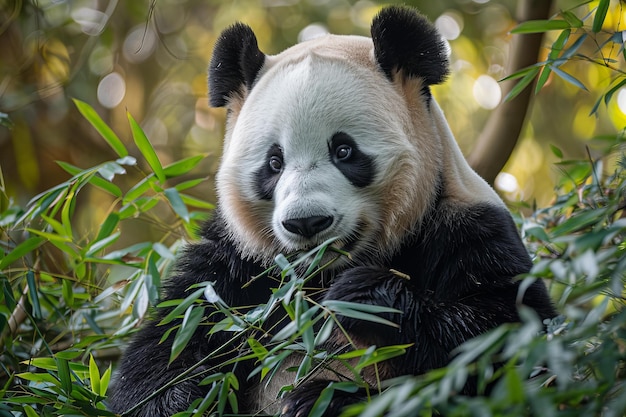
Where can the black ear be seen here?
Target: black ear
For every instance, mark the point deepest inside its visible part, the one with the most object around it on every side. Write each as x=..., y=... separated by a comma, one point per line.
x=404, y=40
x=235, y=63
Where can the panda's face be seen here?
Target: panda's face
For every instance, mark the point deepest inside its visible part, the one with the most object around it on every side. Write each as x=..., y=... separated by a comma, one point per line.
x=321, y=148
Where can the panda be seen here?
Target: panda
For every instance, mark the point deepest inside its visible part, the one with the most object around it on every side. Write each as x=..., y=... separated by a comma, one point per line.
x=340, y=137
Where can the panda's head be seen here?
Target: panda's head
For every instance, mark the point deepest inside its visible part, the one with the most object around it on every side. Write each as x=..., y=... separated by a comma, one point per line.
x=333, y=137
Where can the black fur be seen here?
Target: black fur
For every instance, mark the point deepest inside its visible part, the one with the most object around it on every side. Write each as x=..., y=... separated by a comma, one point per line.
x=406, y=41
x=358, y=168
x=236, y=63
x=462, y=266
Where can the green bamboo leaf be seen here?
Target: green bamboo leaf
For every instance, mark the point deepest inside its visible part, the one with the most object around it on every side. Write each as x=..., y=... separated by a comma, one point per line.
x=141, y=205
x=108, y=226
x=543, y=77
x=232, y=402
x=336, y=305
x=514, y=385
x=183, y=166
x=98, y=245
x=195, y=202
x=222, y=399
x=559, y=44
x=613, y=90
x=48, y=364
x=382, y=354
x=67, y=210
x=68, y=292
x=30, y=412
x=257, y=347
x=146, y=149
x=39, y=378
x=105, y=131
x=556, y=151
x=94, y=180
x=182, y=306
x=322, y=402
x=569, y=52
x=569, y=78
x=94, y=375
x=522, y=84
x=185, y=185
x=219, y=376
x=52, y=237
x=598, y=19
x=191, y=320
x=523, y=72
x=596, y=106
x=540, y=26
x=153, y=281
x=55, y=224
x=139, y=189
x=21, y=250
x=63, y=369
x=50, y=201
x=104, y=381
x=557, y=48
x=572, y=19
x=128, y=252
x=326, y=396
x=177, y=203
x=325, y=331
x=365, y=312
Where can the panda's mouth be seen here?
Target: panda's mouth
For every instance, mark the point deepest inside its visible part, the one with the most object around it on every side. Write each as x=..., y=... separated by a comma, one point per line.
x=343, y=247
x=337, y=241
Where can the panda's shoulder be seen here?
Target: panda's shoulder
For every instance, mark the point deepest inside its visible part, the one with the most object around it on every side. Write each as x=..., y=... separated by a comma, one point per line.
x=479, y=228
x=461, y=245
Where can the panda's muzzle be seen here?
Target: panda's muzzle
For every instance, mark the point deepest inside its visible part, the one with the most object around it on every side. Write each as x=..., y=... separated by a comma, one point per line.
x=308, y=226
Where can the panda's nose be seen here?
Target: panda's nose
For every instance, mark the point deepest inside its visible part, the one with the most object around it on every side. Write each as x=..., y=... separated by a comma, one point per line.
x=308, y=226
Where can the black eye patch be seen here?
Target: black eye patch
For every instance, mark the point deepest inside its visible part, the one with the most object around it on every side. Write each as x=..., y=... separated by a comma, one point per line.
x=268, y=174
x=355, y=165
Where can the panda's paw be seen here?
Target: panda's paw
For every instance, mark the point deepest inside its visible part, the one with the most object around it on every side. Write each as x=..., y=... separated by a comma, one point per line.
x=372, y=285
x=300, y=401
x=377, y=287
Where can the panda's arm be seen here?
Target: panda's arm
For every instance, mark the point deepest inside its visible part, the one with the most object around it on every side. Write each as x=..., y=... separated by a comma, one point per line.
x=145, y=366
x=434, y=324
x=458, y=281
x=454, y=280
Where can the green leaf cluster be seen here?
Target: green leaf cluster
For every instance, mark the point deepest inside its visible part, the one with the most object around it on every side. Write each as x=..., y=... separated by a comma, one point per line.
x=575, y=31
x=69, y=296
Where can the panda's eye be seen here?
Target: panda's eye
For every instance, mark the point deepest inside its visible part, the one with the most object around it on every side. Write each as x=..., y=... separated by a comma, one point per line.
x=276, y=164
x=343, y=152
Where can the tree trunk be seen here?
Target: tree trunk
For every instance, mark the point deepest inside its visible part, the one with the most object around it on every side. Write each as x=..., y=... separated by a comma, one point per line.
x=502, y=129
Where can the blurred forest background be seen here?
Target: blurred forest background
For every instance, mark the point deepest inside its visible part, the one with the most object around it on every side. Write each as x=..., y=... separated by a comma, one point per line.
x=150, y=58
x=84, y=242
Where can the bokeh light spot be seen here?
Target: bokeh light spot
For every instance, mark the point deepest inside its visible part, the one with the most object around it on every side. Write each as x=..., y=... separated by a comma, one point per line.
x=487, y=92
x=139, y=44
x=91, y=21
x=449, y=25
x=621, y=100
x=506, y=182
x=111, y=90
x=312, y=31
